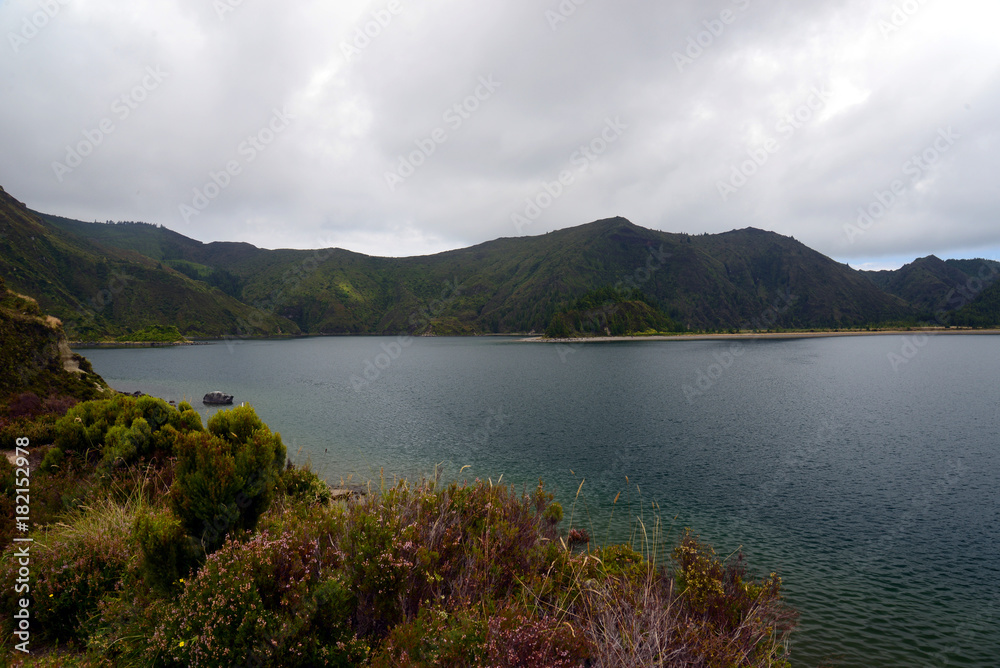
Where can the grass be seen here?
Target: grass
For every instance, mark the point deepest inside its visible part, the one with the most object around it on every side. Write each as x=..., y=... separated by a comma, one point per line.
x=415, y=573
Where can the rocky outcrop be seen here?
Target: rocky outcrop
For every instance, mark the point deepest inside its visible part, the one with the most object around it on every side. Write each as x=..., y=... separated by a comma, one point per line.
x=217, y=399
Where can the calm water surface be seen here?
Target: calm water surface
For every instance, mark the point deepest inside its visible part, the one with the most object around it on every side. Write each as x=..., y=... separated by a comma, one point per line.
x=870, y=487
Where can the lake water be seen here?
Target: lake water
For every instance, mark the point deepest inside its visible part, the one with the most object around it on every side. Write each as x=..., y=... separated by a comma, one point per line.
x=862, y=469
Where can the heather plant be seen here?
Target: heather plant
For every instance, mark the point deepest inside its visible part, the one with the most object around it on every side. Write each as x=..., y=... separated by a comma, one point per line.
x=212, y=552
x=435, y=637
x=269, y=601
x=74, y=566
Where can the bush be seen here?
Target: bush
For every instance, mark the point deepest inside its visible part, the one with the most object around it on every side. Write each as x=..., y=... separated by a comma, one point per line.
x=435, y=637
x=300, y=484
x=39, y=430
x=168, y=554
x=86, y=425
x=226, y=477
x=266, y=602
x=73, y=567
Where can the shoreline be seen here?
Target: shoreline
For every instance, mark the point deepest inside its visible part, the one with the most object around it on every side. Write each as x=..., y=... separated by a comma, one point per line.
x=133, y=344
x=761, y=335
x=531, y=338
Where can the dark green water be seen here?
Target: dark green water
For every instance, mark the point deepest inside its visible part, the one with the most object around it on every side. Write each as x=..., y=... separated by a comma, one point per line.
x=870, y=487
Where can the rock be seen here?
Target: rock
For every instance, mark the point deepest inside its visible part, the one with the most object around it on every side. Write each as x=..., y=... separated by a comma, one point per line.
x=218, y=398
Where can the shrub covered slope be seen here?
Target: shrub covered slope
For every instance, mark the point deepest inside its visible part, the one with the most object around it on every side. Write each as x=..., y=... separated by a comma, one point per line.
x=164, y=542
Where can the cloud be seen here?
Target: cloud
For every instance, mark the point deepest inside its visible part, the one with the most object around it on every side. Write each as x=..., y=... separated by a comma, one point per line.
x=702, y=89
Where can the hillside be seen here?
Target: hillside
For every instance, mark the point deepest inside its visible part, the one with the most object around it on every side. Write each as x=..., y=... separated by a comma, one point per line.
x=929, y=283
x=35, y=356
x=103, y=290
x=742, y=279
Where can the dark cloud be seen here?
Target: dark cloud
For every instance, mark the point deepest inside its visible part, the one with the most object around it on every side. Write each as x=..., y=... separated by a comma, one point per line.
x=279, y=124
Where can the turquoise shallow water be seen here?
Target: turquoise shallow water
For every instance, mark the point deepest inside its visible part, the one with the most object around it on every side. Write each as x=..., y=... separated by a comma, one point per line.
x=871, y=488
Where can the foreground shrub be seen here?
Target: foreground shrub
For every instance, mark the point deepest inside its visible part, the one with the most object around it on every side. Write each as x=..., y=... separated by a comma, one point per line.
x=300, y=484
x=266, y=602
x=86, y=426
x=73, y=567
x=168, y=553
x=225, y=477
x=736, y=619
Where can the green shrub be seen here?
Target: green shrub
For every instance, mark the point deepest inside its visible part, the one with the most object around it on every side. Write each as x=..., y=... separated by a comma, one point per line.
x=52, y=460
x=86, y=426
x=435, y=637
x=123, y=446
x=168, y=553
x=302, y=485
x=39, y=430
x=226, y=477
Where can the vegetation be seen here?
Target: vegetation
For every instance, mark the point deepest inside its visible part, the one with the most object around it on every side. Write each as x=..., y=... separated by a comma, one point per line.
x=102, y=292
x=609, y=311
x=411, y=574
x=155, y=333
x=732, y=281
x=38, y=372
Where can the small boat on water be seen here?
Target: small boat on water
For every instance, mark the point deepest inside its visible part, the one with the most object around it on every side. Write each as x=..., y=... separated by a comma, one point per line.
x=218, y=399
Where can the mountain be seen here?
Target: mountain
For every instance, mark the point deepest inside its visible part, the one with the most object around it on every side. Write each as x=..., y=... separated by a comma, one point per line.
x=930, y=284
x=102, y=289
x=745, y=278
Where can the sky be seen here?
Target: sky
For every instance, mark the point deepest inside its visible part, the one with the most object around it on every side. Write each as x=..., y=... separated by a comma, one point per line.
x=867, y=130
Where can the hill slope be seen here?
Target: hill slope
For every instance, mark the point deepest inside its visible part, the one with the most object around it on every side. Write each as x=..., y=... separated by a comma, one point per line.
x=99, y=290
x=930, y=284
x=35, y=356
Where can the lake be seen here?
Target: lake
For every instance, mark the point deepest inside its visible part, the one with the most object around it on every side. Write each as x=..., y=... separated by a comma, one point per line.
x=862, y=469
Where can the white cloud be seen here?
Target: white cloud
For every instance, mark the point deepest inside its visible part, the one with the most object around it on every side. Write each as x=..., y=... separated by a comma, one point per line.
x=324, y=177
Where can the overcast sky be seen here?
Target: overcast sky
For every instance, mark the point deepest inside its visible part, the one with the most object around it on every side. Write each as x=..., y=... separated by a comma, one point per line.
x=402, y=128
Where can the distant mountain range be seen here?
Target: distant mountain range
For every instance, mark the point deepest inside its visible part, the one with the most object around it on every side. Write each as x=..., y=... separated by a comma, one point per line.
x=109, y=279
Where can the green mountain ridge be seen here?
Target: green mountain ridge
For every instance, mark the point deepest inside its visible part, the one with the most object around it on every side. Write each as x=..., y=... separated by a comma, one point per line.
x=930, y=284
x=743, y=279
x=100, y=290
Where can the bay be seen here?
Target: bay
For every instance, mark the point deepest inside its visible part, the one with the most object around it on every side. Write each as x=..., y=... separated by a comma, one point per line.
x=862, y=469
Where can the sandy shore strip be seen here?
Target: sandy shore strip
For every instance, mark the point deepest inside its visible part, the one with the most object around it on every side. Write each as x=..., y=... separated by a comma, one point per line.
x=934, y=331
